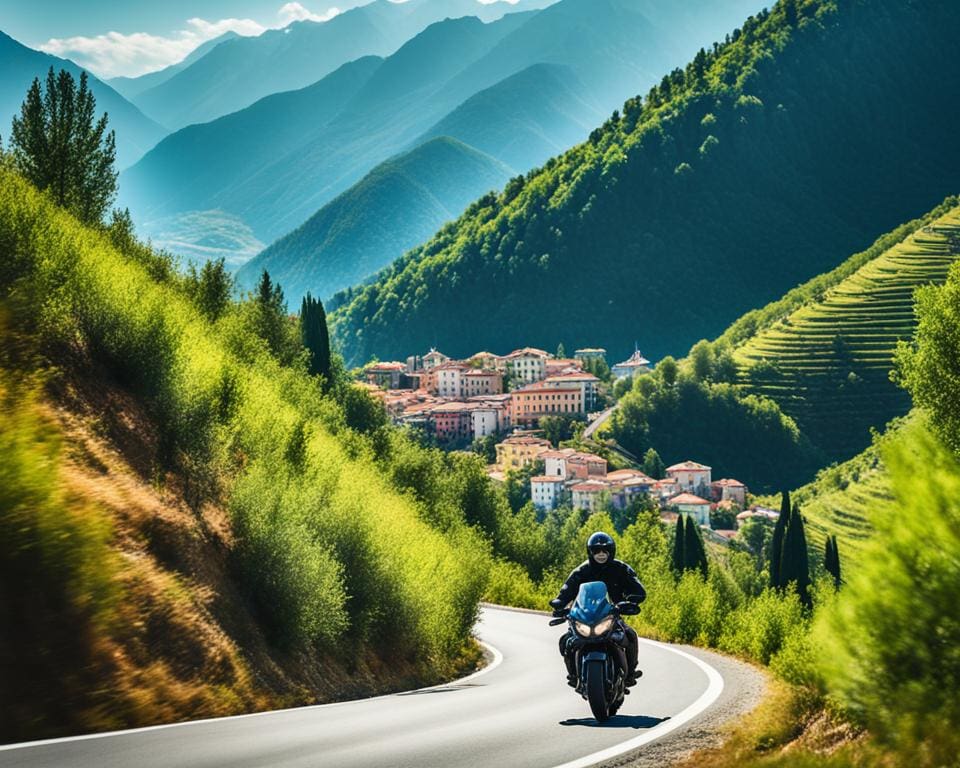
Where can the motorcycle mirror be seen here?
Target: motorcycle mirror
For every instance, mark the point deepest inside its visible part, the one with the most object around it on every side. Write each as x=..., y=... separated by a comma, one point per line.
x=555, y=622
x=628, y=609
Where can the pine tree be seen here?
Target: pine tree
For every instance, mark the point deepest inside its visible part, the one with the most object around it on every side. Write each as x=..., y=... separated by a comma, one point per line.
x=831, y=561
x=795, y=566
x=561, y=352
x=776, y=545
x=59, y=146
x=315, y=336
x=678, y=536
x=271, y=315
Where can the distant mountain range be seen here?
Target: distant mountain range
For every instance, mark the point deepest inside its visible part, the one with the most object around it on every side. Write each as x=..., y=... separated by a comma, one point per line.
x=240, y=71
x=19, y=65
x=131, y=87
x=755, y=167
x=397, y=205
x=437, y=84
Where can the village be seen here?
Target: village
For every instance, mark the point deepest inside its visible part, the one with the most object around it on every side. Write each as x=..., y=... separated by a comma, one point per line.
x=488, y=396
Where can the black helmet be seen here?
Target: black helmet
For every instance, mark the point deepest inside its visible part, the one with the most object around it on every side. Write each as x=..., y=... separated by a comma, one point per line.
x=601, y=542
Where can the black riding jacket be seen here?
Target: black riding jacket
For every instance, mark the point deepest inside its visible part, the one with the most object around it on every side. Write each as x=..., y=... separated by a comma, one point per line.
x=621, y=580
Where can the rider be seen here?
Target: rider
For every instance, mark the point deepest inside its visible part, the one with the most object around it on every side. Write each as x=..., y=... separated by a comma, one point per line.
x=622, y=584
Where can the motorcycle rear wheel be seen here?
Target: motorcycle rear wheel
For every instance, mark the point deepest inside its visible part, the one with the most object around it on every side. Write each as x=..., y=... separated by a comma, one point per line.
x=596, y=690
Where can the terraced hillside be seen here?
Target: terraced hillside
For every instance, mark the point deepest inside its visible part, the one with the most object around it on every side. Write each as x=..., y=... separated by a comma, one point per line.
x=827, y=364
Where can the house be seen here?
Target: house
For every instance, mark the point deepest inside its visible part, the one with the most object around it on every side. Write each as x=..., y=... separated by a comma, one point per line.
x=483, y=360
x=520, y=450
x=546, y=492
x=729, y=490
x=692, y=505
x=560, y=365
x=386, y=375
x=451, y=421
x=665, y=489
x=590, y=353
x=691, y=476
x=534, y=401
x=555, y=462
x=446, y=379
x=591, y=494
x=634, y=483
x=493, y=411
x=433, y=358
x=525, y=366
x=585, y=466
x=761, y=513
x=587, y=382
x=483, y=381
x=635, y=365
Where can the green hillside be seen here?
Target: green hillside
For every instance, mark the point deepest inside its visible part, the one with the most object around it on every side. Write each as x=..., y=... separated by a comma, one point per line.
x=828, y=363
x=394, y=207
x=740, y=176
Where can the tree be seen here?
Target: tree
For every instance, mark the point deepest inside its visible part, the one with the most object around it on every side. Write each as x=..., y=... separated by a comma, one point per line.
x=702, y=359
x=776, y=544
x=211, y=288
x=59, y=146
x=667, y=368
x=831, y=560
x=315, y=337
x=694, y=554
x=270, y=314
x=795, y=565
x=653, y=465
x=677, y=560
x=561, y=352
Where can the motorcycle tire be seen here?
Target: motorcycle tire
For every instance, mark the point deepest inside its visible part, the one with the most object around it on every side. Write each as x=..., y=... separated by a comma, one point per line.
x=596, y=690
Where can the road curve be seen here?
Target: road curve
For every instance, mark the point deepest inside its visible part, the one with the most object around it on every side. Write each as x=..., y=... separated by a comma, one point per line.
x=516, y=712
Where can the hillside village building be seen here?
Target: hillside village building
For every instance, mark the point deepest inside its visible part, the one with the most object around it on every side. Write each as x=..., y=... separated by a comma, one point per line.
x=692, y=505
x=729, y=490
x=520, y=451
x=590, y=353
x=525, y=366
x=635, y=365
x=531, y=403
x=691, y=477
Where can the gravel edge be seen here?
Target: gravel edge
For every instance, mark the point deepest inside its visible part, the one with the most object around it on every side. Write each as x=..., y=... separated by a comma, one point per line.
x=743, y=688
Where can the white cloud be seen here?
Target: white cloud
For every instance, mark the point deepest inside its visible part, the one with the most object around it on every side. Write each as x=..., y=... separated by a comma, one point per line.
x=113, y=54
x=295, y=12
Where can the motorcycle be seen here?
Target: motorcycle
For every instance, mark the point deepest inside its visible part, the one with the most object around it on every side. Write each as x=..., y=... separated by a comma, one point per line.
x=597, y=640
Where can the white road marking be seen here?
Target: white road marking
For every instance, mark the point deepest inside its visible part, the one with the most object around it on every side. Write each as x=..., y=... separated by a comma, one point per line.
x=714, y=689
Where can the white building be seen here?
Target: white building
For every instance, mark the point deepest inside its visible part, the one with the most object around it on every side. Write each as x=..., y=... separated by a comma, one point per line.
x=698, y=508
x=691, y=477
x=526, y=366
x=546, y=492
x=588, y=386
x=634, y=366
x=485, y=420
x=449, y=379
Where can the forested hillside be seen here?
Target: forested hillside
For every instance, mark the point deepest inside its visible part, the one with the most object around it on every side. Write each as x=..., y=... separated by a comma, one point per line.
x=396, y=206
x=745, y=173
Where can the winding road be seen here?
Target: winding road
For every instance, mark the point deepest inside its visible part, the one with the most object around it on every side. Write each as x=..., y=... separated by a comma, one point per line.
x=518, y=711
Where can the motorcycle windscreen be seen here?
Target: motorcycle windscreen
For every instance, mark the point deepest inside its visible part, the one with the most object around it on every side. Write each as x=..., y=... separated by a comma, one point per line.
x=591, y=604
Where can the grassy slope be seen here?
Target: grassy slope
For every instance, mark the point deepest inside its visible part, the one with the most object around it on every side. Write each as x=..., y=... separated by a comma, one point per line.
x=180, y=433
x=693, y=229
x=832, y=357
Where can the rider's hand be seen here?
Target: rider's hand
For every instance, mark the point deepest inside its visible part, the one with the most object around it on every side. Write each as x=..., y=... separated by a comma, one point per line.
x=559, y=613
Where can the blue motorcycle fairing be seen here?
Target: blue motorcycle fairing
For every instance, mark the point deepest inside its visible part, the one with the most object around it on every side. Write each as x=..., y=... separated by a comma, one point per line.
x=591, y=605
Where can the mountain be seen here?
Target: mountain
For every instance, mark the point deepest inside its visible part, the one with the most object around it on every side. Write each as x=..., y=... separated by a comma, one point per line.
x=393, y=208
x=131, y=87
x=19, y=65
x=413, y=92
x=238, y=72
x=353, y=129
x=741, y=176
x=524, y=119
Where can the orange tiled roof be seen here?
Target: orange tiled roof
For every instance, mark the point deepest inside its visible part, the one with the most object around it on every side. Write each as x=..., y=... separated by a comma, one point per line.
x=688, y=498
x=688, y=466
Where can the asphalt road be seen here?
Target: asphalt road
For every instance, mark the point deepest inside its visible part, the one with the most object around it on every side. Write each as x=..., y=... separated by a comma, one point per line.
x=516, y=712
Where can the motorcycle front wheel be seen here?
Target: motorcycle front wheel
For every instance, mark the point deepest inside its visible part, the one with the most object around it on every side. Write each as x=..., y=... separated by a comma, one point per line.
x=596, y=690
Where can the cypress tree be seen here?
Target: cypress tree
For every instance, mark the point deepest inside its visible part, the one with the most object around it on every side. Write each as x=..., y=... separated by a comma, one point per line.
x=694, y=555
x=833, y=564
x=315, y=336
x=678, y=535
x=795, y=566
x=776, y=545
x=828, y=556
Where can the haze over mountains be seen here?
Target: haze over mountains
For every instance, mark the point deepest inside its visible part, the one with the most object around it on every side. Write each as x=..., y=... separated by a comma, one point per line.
x=244, y=69
x=19, y=65
x=414, y=96
x=771, y=166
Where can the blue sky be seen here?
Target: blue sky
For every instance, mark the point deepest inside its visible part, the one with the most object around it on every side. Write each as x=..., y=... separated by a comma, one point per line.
x=137, y=36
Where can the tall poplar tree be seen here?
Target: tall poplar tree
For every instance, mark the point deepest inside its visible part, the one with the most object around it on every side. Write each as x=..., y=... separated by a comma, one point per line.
x=694, y=554
x=776, y=545
x=678, y=537
x=58, y=145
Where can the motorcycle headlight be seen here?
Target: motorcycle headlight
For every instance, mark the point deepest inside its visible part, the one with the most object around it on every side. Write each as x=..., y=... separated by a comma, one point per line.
x=603, y=627
x=582, y=629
